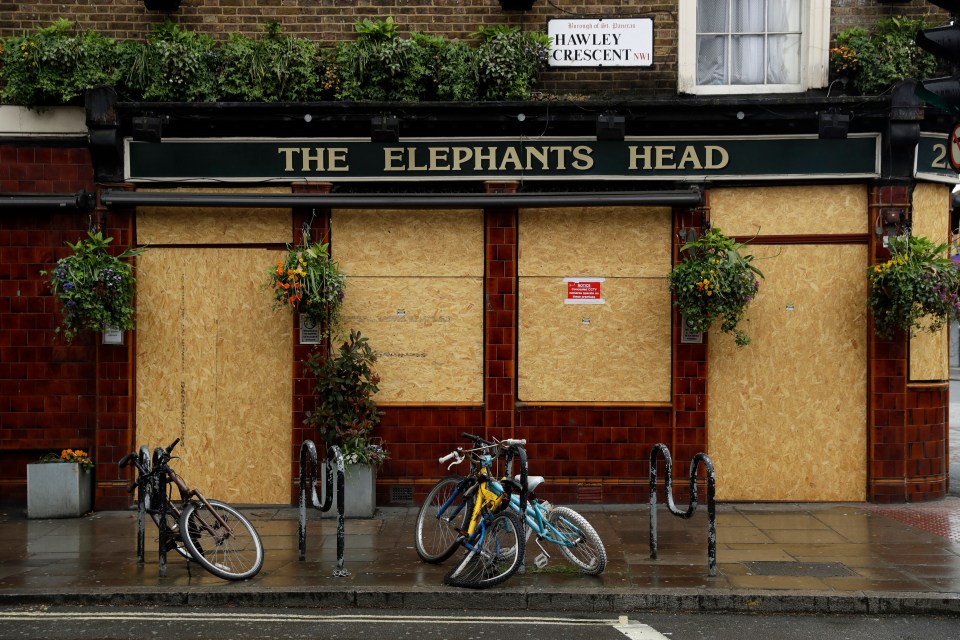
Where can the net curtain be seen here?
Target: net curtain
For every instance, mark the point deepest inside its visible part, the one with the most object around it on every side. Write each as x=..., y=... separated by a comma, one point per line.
x=744, y=42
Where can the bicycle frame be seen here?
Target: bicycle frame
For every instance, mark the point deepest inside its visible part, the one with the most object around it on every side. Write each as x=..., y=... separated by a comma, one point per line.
x=155, y=483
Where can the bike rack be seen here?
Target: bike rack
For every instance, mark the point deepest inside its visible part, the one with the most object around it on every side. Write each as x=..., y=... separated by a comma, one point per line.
x=142, y=505
x=668, y=489
x=161, y=490
x=308, y=465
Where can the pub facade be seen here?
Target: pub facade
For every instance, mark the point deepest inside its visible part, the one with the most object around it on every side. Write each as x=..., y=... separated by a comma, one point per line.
x=508, y=261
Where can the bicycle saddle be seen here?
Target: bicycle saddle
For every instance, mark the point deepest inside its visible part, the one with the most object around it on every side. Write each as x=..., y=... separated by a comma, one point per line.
x=532, y=482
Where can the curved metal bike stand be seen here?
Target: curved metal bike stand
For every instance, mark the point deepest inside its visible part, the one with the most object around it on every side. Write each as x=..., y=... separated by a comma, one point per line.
x=161, y=490
x=668, y=489
x=308, y=475
x=142, y=505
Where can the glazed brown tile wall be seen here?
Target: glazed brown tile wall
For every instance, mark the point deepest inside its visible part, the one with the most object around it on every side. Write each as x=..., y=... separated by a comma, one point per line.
x=908, y=423
x=47, y=386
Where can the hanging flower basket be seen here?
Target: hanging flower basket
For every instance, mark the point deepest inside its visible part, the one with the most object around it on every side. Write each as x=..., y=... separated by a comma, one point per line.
x=715, y=281
x=94, y=288
x=915, y=290
x=307, y=280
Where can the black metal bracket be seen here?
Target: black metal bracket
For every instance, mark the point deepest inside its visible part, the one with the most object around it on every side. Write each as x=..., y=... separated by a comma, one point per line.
x=661, y=448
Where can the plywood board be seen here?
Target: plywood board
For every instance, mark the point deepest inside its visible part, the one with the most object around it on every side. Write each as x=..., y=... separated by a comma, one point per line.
x=618, y=351
x=405, y=243
x=427, y=332
x=213, y=368
x=787, y=414
x=804, y=210
x=931, y=211
x=599, y=241
x=929, y=352
x=214, y=225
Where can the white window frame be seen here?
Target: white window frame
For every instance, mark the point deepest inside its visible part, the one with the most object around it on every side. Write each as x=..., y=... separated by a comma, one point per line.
x=814, y=59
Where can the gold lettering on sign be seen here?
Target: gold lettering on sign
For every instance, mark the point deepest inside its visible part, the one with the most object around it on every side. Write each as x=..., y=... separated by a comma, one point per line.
x=314, y=160
x=664, y=158
x=487, y=158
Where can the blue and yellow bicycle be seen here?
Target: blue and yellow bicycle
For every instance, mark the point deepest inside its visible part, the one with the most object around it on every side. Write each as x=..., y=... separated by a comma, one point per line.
x=450, y=510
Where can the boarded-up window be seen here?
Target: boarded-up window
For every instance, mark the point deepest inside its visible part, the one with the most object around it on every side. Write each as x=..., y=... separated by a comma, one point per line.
x=609, y=339
x=415, y=290
x=929, y=352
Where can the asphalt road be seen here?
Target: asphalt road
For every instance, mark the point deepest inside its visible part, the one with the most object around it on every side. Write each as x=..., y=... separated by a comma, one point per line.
x=299, y=624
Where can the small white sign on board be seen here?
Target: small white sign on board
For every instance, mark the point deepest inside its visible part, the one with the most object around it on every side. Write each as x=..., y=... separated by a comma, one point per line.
x=112, y=335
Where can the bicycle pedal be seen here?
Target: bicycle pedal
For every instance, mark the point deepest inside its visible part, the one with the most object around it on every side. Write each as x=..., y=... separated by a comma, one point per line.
x=541, y=561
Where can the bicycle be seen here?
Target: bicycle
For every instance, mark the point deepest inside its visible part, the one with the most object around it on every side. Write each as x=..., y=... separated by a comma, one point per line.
x=440, y=519
x=489, y=533
x=209, y=532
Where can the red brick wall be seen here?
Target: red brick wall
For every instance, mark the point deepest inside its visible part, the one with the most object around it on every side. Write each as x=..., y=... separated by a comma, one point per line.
x=47, y=387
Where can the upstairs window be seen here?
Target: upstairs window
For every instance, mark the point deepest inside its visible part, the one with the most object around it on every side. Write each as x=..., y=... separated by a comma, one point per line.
x=752, y=46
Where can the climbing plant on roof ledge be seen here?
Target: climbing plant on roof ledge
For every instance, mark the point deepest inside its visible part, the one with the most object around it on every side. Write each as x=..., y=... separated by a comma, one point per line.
x=878, y=59
x=55, y=65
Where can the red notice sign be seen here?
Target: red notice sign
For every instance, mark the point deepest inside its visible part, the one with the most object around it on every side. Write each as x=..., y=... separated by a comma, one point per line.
x=583, y=291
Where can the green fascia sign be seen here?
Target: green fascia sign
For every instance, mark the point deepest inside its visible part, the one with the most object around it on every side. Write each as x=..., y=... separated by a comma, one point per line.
x=933, y=163
x=693, y=159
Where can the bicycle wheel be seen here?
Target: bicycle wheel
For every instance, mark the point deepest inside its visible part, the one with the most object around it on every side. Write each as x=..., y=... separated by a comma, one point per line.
x=436, y=535
x=234, y=556
x=497, y=555
x=583, y=546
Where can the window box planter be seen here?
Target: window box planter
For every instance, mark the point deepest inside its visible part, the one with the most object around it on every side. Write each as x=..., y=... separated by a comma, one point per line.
x=58, y=490
x=359, y=491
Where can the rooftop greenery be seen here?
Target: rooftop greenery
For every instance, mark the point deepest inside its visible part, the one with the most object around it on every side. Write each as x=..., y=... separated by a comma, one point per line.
x=56, y=64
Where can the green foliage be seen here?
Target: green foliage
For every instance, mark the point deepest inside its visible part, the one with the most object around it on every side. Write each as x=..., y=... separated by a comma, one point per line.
x=271, y=69
x=95, y=289
x=916, y=289
x=174, y=65
x=346, y=413
x=883, y=57
x=456, y=73
x=376, y=30
x=716, y=280
x=56, y=66
x=380, y=66
x=508, y=62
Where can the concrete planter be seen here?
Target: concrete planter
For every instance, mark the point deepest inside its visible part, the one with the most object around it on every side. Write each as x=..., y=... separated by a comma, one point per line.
x=359, y=491
x=58, y=490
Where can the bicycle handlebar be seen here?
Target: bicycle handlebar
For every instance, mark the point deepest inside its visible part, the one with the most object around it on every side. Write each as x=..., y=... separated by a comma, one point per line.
x=507, y=442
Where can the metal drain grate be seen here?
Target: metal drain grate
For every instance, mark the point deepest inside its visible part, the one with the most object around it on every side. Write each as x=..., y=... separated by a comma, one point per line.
x=798, y=569
x=401, y=494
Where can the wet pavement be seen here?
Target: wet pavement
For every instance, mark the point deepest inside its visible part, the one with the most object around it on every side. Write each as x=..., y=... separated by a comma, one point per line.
x=770, y=557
